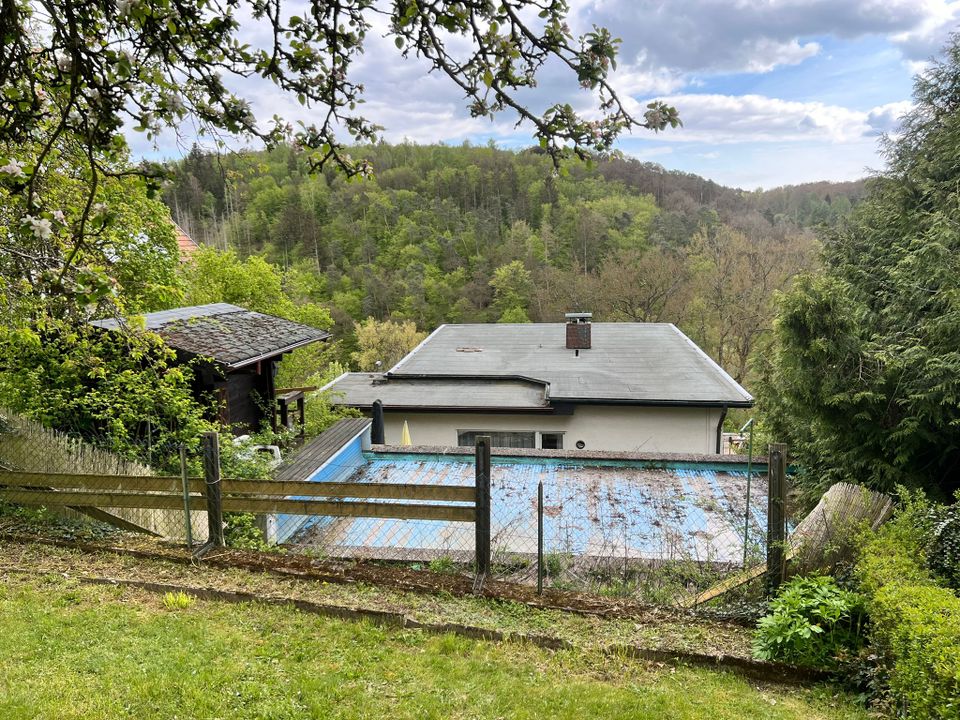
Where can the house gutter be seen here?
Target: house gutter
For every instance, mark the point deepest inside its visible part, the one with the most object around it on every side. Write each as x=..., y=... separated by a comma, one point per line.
x=723, y=416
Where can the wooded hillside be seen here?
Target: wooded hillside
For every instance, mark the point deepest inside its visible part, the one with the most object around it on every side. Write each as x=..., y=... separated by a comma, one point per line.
x=478, y=234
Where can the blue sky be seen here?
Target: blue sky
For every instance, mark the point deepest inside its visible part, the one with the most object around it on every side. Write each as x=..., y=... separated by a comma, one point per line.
x=771, y=92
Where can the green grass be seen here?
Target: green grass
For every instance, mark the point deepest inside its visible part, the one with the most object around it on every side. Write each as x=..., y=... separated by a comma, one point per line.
x=75, y=651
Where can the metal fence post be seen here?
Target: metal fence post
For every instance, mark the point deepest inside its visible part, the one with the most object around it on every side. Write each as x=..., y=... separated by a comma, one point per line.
x=186, y=495
x=211, y=473
x=776, y=520
x=540, y=538
x=746, y=513
x=482, y=523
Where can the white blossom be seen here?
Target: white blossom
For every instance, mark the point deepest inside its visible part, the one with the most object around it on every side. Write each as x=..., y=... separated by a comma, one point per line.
x=59, y=217
x=174, y=103
x=41, y=227
x=65, y=63
x=13, y=167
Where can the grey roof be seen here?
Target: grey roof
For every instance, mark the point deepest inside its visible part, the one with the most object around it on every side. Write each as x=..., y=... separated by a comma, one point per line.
x=361, y=389
x=231, y=335
x=637, y=363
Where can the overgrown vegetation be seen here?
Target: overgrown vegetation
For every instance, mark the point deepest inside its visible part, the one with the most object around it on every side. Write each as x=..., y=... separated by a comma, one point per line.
x=812, y=622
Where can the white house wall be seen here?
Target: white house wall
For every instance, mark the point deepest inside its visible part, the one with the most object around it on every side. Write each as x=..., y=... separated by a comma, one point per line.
x=600, y=427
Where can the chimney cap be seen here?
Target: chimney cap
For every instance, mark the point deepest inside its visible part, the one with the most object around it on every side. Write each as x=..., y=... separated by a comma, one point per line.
x=576, y=317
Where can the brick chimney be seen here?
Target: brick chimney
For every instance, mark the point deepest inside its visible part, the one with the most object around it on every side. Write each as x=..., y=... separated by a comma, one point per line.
x=578, y=330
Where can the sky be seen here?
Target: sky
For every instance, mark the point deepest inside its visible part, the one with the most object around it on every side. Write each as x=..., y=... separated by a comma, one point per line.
x=770, y=92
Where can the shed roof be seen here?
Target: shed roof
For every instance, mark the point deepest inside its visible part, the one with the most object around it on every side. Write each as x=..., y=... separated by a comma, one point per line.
x=636, y=363
x=361, y=389
x=232, y=336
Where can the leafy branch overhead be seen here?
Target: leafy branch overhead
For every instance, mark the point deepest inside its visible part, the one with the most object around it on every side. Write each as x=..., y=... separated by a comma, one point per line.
x=75, y=74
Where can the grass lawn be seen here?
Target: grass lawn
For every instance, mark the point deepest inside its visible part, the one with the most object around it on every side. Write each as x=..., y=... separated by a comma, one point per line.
x=76, y=651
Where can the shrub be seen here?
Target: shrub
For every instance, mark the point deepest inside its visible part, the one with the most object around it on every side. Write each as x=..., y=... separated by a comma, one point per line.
x=915, y=621
x=241, y=531
x=812, y=622
x=944, y=550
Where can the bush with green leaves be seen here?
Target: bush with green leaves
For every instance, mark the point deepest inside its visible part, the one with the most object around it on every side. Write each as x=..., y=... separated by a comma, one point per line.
x=915, y=622
x=812, y=622
x=943, y=555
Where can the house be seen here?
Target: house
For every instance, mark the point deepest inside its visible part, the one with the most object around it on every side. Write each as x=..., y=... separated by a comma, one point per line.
x=239, y=351
x=579, y=385
x=186, y=245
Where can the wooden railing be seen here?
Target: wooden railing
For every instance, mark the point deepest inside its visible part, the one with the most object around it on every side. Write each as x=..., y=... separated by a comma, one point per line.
x=254, y=496
x=215, y=495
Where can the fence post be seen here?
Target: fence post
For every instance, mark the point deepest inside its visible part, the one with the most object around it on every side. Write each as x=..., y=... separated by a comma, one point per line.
x=776, y=520
x=540, y=538
x=211, y=473
x=377, y=430
x=186, y=494
x=482, y=523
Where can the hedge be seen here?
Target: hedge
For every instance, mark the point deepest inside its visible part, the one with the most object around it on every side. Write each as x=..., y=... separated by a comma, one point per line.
x=915, y=621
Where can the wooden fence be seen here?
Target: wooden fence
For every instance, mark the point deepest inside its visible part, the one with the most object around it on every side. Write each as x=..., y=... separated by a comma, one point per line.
x=253, y=496
x=289, y=497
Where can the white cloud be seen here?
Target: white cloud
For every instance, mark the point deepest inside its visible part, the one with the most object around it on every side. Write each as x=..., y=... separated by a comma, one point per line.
x=757, y=36
x=766, y=54
x=925, y=38
x=724, y=119
x=886, y=118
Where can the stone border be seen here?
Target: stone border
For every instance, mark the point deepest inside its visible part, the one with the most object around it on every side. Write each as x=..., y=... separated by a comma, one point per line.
x=754, y=669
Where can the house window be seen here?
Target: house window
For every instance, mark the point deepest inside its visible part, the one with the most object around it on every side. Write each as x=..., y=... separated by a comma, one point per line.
x=498, y=439
x=551, y=441
x=546, y=440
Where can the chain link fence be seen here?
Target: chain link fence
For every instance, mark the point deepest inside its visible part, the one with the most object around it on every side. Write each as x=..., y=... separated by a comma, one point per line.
x=40, y=462
x=655, y=533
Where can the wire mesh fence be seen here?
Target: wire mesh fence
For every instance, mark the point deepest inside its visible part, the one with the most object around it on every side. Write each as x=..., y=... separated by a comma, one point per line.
x=77, y=482
x=656, y=534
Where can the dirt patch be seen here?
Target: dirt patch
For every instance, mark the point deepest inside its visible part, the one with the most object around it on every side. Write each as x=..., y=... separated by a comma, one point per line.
x=369, y=573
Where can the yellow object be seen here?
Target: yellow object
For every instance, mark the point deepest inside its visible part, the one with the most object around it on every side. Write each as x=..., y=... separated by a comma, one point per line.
x=405, y=436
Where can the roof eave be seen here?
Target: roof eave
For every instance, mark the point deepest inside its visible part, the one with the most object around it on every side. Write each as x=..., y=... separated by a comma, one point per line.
x=742, y=403
x=498, y=409
x=273, y=353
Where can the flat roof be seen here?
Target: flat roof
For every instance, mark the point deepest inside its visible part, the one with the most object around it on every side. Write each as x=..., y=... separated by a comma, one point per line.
x=231, y=335
x=633, y=363
x=361, y=389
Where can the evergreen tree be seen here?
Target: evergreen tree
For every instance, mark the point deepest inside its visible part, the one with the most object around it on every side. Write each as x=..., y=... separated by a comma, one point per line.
x=864, y=377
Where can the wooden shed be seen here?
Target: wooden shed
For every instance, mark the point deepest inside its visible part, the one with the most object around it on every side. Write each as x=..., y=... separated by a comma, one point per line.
x=240, y=350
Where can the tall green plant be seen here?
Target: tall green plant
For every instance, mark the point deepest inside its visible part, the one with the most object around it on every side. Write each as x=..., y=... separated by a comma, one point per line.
x=811, y=622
